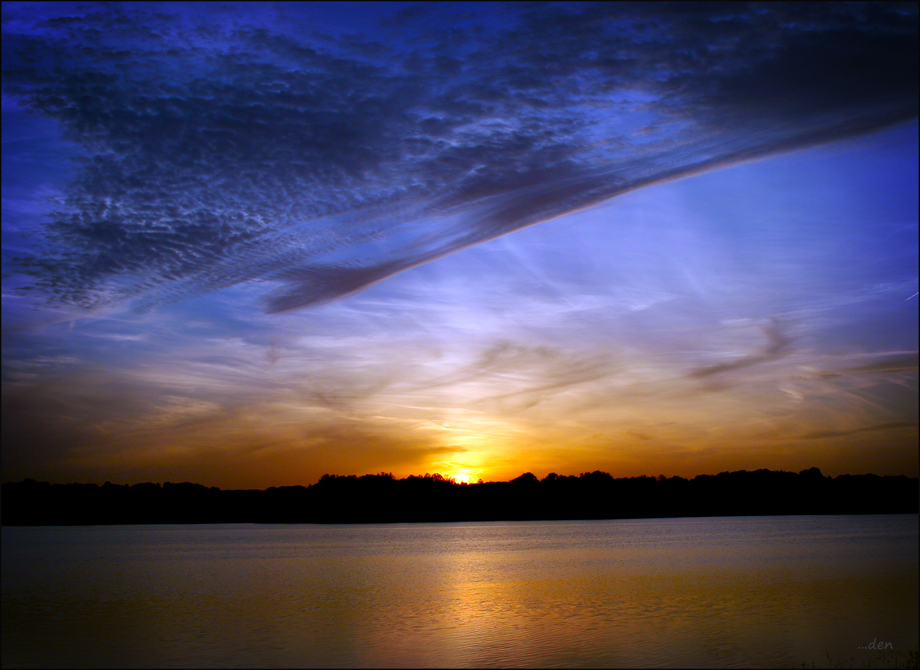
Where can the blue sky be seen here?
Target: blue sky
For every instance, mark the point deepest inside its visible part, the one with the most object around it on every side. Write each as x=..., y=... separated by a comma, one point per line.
x=245, y=245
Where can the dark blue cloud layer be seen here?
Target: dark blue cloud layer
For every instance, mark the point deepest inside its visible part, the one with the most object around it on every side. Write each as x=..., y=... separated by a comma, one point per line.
x=217, y=151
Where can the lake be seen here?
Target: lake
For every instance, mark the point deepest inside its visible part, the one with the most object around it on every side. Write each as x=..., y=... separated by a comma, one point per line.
x=693, y=592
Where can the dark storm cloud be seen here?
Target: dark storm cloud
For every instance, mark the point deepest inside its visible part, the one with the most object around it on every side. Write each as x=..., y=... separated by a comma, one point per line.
x=217, y=153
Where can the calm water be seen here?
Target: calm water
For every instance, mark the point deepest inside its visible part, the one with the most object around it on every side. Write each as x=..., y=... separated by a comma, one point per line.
x=714, y=592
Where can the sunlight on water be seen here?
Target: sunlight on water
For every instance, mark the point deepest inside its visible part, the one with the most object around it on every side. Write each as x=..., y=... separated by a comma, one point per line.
x=727, y=592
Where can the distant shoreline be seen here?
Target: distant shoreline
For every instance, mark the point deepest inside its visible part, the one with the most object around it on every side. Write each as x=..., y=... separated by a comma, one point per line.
x=382, y=498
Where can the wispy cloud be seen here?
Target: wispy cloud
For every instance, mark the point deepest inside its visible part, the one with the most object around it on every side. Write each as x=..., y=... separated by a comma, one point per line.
x=778, y=345
x=889, y=364
x=821, y=434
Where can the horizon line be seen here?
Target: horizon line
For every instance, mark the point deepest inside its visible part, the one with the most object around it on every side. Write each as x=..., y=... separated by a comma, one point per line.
x=436, y=476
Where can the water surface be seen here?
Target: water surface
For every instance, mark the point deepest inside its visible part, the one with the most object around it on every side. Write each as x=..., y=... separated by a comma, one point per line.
x=705, y=592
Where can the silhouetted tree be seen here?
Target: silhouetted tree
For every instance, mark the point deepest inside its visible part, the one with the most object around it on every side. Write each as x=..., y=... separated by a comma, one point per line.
x=435, y=497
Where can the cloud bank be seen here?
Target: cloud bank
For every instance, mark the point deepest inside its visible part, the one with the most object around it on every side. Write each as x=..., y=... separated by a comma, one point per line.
x=227, y=147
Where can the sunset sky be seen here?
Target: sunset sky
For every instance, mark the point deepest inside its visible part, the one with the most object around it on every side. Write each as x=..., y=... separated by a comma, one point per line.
x=248, y=244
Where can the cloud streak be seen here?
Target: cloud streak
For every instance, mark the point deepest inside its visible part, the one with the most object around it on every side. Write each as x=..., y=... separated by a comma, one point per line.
x=215, y=153
x=821, y=434
x=778, y=346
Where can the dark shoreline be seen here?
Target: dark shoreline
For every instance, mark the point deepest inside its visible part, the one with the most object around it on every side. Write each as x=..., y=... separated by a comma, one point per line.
x=432, y=498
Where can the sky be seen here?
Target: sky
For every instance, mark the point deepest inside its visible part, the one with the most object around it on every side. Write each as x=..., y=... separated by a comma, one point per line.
x=245, y=245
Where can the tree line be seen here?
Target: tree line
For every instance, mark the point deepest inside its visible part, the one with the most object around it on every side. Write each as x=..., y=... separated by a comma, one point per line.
x=381, y=498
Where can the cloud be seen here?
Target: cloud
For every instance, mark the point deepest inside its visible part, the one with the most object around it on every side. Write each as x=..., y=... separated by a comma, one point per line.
x=889, y=364
x=778, y=345
x=193, y=423
x=215, y=153
x=838, y=433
